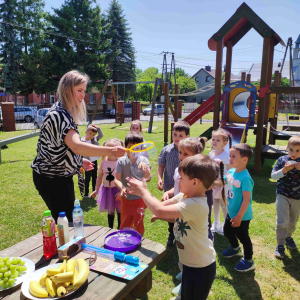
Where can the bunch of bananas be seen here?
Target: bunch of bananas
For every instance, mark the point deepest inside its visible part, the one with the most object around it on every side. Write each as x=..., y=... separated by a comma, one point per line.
x=59, y=281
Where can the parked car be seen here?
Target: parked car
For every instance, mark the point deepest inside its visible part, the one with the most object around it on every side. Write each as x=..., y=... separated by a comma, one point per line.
x=40, y=116
x=158, y=109
x=25, y=114
x=111, y=112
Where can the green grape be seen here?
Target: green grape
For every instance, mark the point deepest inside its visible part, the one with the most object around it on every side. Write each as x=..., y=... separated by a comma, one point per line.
x=5, y=285
x=12, y=276
x=3, y=270
x=1, y=275
x=8, y=263
x=5, y=259
x=7, y=274
x=14, y=262
x=11, y=280
x=13, y=267
x=5, y=279
x=22, y=269
x=22, y=263
x=16, y=273
x=19, y=260
x=1, y=282
x=2, y=264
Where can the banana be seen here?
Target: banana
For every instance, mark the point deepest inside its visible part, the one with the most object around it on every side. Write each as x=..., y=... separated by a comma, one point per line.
x=50, y=287
x=71, y=264
x=63, y=277
x=36, y=290
x=61, y=291
x=63, y=266
x=43, y=279
x=61, y=269
x=83, y=273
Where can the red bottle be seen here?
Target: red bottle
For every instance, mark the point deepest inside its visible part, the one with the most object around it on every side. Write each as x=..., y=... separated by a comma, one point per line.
x=49, y=239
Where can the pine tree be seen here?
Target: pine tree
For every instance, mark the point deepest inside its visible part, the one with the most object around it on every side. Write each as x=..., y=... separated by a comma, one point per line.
x=82, y=44
x=123, y=65
x=10, y=51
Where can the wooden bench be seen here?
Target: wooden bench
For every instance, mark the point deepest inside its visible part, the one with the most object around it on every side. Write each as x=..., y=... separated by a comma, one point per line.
x=100, y=286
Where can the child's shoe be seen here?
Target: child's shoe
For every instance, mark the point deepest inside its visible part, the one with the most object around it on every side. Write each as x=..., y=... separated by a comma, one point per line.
x=176, y=298
x=279, y=251
x=179, y=276
x=290, y=243
x=214, y=227
x=220, y=229
x=177, y=290
x=245, y=265
x=230, y=252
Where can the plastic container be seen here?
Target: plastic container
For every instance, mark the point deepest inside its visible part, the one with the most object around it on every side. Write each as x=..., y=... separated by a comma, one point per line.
x=63, y=229
x=48, y=231
x=78, y=219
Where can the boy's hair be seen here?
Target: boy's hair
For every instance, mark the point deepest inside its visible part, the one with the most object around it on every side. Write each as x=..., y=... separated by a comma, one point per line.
x=225, y=134
x=195, y=145
x=202, y=167
x=92, y=129
x=244, y=149
x=294, y=140
x=137, y=122
x=182, y=126
x=133, y=137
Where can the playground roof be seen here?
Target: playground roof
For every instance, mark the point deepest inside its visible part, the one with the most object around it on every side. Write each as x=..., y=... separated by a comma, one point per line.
x=239, y=24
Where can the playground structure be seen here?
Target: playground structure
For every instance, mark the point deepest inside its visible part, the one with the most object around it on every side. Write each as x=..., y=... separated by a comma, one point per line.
x=239, y=112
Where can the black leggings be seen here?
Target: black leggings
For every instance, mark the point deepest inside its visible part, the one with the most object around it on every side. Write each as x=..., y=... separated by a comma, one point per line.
x=58, y=194
x=196, y=282
x=87, y=179
x=241, y=233
x=111, y=219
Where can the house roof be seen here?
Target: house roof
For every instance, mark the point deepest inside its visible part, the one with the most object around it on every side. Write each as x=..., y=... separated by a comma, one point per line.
x=239, y=24
x=212, y=73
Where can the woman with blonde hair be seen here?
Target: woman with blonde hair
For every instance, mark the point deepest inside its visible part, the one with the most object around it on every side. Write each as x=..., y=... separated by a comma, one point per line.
x=60, y=151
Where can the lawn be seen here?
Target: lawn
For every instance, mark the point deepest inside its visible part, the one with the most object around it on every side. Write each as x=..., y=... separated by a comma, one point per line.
x=21, y=211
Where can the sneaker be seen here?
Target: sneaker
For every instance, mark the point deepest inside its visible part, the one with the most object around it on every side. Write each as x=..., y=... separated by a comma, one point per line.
x=220, y=230
x=179, y=276
x=245, y=265
x=230, y=252
x=177, y=290
x=176, y=298
x=86, y=197
x=170, y=241
x=279, y=251
x=290, y=243
x=213, y=227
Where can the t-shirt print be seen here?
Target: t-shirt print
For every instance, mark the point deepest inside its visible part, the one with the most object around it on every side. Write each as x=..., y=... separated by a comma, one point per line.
x=232, y=182
x=180, y=229
x=110, y=177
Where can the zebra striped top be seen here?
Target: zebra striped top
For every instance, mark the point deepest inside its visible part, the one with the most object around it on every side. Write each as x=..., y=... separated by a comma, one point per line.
x=54, y=157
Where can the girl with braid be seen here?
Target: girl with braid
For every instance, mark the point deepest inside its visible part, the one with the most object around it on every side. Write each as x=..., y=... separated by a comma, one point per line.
x=220, y=138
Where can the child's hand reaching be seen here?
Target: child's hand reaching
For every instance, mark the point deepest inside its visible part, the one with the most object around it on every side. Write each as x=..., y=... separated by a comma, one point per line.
x=93, y=194
x=143, y=166
x=165, y=197
x=236, y=221
x=160, y=184
x=136, y=187
x=287, y=167
x=123, y=193
x=153, y=218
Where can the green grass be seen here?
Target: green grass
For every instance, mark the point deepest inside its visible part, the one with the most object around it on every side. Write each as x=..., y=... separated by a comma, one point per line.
x=21, y=211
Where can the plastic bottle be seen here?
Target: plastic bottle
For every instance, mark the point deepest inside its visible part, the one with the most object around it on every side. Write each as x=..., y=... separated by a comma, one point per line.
x=78, y=219
x=63, y=229
x=48, y=231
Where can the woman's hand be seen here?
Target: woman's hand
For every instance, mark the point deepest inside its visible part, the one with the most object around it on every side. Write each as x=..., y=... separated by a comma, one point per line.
x=87, y=165
x=117, y=151
x=136, y=187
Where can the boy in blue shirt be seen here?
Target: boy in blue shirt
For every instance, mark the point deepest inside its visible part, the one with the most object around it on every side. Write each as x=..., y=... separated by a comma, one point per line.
x=287, y=173
x=240, y=189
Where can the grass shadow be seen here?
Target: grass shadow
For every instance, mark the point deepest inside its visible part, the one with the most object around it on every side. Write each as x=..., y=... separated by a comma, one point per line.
x=291, y=265
x=244, y=284
x=88, y=203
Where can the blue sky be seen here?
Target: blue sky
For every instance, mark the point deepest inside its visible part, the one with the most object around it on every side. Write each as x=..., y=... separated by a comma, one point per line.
x=185, y=26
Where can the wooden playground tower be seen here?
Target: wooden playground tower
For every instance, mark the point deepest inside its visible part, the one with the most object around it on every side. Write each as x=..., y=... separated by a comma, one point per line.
x=229, y=35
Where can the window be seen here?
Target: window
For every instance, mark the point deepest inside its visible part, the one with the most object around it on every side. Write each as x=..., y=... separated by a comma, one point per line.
x=197, y=79
x=92, y=98
x=207, y=79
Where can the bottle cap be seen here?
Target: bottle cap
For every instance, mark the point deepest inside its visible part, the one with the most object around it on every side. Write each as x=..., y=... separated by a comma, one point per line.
x=62, y=214
x=77, y=202
x=47, y=213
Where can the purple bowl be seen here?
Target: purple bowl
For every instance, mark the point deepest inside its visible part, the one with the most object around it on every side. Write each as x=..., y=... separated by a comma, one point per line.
x=123, y=240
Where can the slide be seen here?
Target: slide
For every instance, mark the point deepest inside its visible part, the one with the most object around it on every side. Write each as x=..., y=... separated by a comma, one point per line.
x=201, y=110
x=237, y=132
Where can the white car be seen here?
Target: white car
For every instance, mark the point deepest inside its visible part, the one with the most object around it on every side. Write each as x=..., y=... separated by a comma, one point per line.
x=40, y=116
x=23, y=113
x=111, y=112
x=158, y=109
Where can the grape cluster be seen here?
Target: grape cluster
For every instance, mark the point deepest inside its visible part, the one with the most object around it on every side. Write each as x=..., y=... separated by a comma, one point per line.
x=10, y=269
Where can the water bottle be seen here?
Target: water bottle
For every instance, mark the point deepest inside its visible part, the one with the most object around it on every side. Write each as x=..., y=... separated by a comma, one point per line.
x=63, y=229
x=48, y=231
x=78, y=219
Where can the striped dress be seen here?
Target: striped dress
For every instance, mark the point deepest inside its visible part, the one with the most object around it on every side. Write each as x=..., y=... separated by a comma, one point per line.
x=54, y=158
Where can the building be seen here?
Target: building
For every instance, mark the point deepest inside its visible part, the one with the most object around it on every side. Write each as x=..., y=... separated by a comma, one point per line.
x=296, y=62
x=203, y=77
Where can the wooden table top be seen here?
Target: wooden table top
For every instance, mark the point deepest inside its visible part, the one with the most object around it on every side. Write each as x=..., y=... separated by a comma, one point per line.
x=100, y=286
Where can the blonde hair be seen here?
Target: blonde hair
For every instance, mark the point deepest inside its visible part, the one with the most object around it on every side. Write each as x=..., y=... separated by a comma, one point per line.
x=65, y=92
x=114, y=141
x=225, y=135
x=137, y=122
x=195, y=145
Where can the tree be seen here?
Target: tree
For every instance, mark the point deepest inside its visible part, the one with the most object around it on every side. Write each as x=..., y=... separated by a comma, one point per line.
x=145, y=90
x=123, y=65
x=10, y=51
x=186, y=84
x=80, y=42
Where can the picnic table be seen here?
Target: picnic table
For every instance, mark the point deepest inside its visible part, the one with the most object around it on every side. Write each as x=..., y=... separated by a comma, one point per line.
x=100, y=286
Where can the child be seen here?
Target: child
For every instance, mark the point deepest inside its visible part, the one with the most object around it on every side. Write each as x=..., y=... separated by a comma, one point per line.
x=131, y=165
x=168, y=161
x=240, y=189
x=89, y=138
x=220, y=139
x=136, y=126
x=108, y=191
x=287, y=173
x=190, y=211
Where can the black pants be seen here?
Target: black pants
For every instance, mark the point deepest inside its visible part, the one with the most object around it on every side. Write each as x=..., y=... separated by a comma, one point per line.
x=239, y=233
x=196, y=282
x=111, y=219
x=210, y=200
x=58, y=194
x=87, y=179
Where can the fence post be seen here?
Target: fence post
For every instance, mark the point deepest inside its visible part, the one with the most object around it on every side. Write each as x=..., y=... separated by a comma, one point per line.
x=8, y=115
x=136, y=110
x=179, y=109
x=120, y=112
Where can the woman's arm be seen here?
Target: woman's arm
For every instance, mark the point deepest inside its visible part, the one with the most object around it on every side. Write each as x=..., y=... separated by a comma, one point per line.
x=73, y=141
